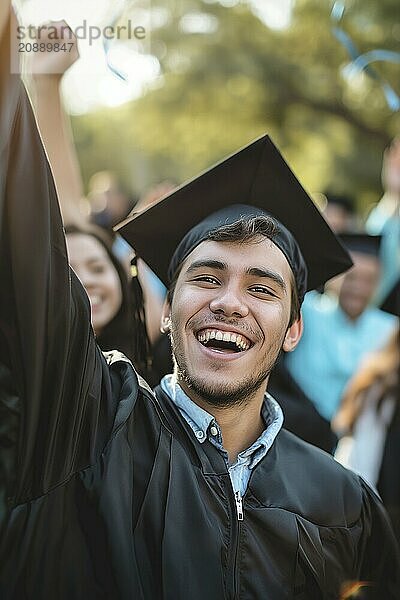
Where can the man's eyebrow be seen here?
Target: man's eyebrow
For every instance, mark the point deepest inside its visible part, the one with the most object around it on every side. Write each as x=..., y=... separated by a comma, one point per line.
x=266, y=273
x=208, y=263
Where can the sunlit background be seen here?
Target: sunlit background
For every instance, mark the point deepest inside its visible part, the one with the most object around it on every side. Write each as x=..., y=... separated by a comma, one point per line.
x=211, y=75
x=91, y=83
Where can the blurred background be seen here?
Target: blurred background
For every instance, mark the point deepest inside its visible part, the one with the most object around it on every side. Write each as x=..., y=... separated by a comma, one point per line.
x=212, y=75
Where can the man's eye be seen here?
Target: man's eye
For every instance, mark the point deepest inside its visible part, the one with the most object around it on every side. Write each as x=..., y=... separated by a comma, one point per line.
x=206, y=279
x=260, y=289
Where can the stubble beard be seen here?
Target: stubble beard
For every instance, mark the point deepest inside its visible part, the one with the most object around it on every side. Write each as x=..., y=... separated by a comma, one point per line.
x=222, y=395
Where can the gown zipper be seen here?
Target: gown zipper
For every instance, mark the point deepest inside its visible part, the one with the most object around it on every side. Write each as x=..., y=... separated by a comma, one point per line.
x=239, y=505
x=237, y=518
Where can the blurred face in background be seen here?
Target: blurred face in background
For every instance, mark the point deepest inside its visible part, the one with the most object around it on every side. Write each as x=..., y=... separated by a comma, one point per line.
x=91, y=263
x=359, y=284
x=337, y=217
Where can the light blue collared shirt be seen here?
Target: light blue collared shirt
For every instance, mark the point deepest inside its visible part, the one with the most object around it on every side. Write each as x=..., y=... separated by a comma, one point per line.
x=332, y=348
x=204, y=427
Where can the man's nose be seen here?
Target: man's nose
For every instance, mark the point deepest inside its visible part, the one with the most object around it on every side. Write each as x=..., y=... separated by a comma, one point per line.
x=230, y=302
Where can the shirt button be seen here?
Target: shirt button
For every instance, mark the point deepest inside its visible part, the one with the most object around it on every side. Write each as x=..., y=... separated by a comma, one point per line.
x=213, y=430
x=199, y=435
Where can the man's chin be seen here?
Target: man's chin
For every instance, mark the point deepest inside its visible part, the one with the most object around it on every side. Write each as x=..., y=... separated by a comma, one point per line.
x=221, y=393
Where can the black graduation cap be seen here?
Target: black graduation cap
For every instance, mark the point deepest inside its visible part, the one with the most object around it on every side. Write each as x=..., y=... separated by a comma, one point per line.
x=256, y=175
x=362, y=242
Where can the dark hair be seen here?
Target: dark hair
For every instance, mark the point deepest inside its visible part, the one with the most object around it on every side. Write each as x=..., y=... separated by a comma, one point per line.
x=127, y=331
x=244, y=231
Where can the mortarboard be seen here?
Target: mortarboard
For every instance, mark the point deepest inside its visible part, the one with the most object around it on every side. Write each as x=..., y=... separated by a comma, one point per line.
x=361, y=242
x=256, y=175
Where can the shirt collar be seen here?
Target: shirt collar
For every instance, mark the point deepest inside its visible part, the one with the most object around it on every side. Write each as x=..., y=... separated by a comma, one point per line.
x=198, y=418
x=201, y=421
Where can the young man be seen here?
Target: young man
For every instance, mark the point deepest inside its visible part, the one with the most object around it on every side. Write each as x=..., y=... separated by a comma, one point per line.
x=197, y=493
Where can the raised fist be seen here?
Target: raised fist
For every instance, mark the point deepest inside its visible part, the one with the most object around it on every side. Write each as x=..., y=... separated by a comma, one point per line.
x=53, y=49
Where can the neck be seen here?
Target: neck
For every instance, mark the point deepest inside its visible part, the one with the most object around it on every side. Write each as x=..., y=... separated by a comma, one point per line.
x=241, y=425
x=351, y=316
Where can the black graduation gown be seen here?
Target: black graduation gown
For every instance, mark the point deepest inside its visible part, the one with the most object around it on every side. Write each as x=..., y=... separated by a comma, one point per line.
x=154, y=516
x=112, y=497
x=389, y=476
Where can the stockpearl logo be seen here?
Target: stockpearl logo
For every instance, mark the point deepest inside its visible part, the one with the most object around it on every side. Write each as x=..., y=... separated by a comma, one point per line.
x=84, y=31
x=116, y=43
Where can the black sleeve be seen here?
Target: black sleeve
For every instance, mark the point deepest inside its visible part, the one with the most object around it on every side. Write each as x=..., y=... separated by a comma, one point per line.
x=379, y=551
x=46, y=338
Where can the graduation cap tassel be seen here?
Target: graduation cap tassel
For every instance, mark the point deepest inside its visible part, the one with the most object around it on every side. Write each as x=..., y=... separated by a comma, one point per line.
x=142, y=349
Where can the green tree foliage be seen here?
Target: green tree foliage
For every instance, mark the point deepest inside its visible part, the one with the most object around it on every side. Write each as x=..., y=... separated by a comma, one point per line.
x=227, y=77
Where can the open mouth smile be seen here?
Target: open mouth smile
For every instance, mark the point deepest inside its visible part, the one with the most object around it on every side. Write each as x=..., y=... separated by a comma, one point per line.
x=95, y=300
x=223, y=341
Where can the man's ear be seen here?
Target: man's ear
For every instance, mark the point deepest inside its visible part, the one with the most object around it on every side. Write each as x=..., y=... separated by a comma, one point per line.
x=293, y=335
x=165, y=325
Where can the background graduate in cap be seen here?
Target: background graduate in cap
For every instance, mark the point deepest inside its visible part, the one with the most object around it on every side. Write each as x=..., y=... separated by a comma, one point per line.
x=121, y=494
x=341, y=327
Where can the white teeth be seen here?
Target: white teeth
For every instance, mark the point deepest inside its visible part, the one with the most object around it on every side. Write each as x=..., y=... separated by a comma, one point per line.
x=239, y=341
x=225, y=336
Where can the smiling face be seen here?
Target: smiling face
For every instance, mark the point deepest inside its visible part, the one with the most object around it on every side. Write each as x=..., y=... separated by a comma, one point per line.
x=91, y=263
x=229, y=319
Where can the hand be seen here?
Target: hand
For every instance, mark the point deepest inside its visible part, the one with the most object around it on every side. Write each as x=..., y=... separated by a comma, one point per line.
x=391, y=168
x=51, y=62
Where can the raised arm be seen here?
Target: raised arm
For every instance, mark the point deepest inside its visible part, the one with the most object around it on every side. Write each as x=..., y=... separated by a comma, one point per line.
x=45, y=334
x=48, y=69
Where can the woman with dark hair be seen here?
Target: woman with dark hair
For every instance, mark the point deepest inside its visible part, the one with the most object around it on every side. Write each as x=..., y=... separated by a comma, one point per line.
x=116, y=300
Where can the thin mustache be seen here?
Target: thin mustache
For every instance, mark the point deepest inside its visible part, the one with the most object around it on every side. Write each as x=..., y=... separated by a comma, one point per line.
x=244, y=327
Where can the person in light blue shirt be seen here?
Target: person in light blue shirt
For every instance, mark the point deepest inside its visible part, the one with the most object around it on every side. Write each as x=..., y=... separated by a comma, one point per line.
x=340, y=330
